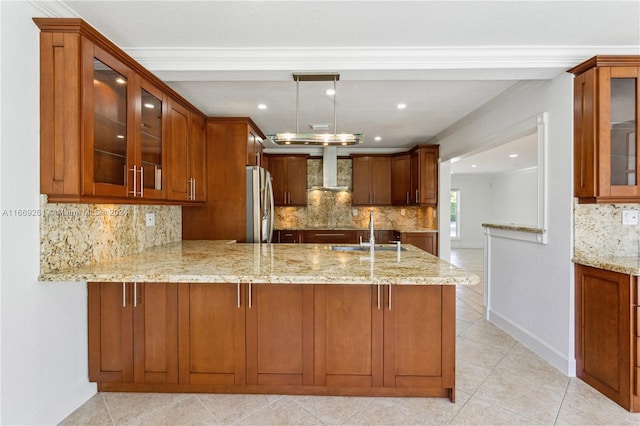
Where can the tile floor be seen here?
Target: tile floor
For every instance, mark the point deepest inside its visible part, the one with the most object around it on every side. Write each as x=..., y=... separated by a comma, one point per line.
x=498, y=382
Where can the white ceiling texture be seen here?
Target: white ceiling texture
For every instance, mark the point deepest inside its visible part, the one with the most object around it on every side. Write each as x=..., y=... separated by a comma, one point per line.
x=443, y=59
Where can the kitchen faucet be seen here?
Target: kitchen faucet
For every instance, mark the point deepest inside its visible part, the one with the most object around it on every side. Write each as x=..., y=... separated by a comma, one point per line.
x=372, y=238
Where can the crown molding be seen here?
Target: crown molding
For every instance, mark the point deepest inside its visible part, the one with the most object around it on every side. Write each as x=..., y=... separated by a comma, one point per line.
x=54, y=9
x=369, y=58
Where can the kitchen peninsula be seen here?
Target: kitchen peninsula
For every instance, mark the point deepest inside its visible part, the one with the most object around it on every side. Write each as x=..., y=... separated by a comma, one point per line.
x=216, y=316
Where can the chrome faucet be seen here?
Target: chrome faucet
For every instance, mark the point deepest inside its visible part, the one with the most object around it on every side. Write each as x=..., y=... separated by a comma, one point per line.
x=372, y=239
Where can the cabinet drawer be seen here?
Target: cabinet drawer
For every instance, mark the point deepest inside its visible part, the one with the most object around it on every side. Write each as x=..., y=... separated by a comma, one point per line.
x=330, y=237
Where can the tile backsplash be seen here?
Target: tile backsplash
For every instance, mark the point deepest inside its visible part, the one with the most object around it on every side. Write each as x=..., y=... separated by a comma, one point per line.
x=80, y=234
x=599, y=232
x=331, y=209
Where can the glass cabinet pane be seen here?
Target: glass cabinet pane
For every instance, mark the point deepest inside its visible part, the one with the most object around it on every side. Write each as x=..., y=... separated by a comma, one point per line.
x=623, y=131
x=151, y=140
x=110, y=124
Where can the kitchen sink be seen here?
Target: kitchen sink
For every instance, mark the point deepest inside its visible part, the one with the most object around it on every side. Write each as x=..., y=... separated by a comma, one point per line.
x=366, y=248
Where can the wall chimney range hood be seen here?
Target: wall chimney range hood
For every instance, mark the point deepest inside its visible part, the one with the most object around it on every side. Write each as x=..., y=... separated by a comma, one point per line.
x=330, y=171
x=321, y=139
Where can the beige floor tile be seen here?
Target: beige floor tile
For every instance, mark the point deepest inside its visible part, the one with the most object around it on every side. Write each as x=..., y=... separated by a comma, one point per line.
x=189, y=411
x=534, y=370
x=484, y=355
x=465, y=313
x=470, y=376
x=126, y=407
x=433, y=411
x=461, y=326
x=93, y=412
x=332, y=410
x=284, y=411
x=525, y=398
x=382, y=411
x=229, y=408
x=478, y=412
x=584, y=405
x=486, y=333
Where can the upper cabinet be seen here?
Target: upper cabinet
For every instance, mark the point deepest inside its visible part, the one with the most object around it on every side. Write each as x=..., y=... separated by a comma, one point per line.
x=606, y=113
x=254, y=148
x=289, y=179
x=106, y=122
x=414, y=176
x=371, y=180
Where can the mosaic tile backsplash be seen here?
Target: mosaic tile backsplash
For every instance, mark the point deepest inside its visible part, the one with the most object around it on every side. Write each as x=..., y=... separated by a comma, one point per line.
x=599, y=232
x=329, y=209
x=80, y=234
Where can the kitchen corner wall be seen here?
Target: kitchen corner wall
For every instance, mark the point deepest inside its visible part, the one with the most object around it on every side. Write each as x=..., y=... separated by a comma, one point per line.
x=333, y=209
x=80, y=234
x=599, y=232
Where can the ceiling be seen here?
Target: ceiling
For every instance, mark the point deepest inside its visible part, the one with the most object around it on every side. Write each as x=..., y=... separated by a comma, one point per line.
x=443, y=59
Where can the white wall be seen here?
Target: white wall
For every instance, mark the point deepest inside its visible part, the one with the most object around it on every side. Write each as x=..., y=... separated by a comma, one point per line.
x=514, y=198
x=43, y=325
x=475, y=208
x=532, y=284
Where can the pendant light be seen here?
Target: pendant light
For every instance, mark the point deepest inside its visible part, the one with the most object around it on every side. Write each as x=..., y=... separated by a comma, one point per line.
x=325, y=139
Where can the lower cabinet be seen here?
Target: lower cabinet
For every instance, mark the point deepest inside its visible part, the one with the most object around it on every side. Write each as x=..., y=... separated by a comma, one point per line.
x=608, y=334
x=427, y=241
x=273, y=338
x=133, y=332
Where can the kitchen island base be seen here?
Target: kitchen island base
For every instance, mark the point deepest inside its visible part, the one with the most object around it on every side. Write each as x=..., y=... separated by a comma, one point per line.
x=314, y=339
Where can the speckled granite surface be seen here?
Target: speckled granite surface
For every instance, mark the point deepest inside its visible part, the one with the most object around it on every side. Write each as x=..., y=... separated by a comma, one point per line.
x=513, y=227
x=212, y=262
x=627, y=265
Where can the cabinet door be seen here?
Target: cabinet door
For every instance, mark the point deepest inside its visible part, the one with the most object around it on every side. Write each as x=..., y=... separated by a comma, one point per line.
x=178, y=182
x=297, y=181
x=584, y=135
x=603, y=331
x=212, y=334
x=414, y=191
x=381, y=180
x=288, y=236
x=422, y=355
x=348, y=335
x=108, y=132
x=150, y=140
x=197, y=170
x=400, y=179
x=361, y=180
x=278, y=170
x=427, y=241
x=280, y=335
x=155, y=319
x=428, y=190
x=110, y=332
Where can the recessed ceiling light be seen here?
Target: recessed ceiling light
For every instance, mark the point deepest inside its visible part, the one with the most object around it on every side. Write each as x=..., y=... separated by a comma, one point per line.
x=473, y=165
x=262, y=106
x=377, y=138
x=513, y=155
x=330, y=92
x=402, y=106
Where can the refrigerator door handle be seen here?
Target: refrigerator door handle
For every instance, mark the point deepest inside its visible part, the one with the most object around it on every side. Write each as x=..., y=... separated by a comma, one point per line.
x=270, y=212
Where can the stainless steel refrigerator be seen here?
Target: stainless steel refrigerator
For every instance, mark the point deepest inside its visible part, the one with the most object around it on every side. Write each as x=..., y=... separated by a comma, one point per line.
x=259, y=205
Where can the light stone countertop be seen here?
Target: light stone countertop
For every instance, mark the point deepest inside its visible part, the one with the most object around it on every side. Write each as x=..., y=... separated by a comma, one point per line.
x=212, y=262
x=624, y=264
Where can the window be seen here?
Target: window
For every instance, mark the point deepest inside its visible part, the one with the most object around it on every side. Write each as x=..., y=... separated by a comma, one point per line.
x=455, y=214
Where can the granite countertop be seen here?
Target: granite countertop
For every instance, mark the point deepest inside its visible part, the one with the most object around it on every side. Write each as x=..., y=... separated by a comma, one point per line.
x=624, y=264
x=212, y=262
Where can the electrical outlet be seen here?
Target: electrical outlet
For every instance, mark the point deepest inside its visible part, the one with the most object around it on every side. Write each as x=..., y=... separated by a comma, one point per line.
x=403, y=212
x=150, y=219
x=629, y=217
x=354, y=212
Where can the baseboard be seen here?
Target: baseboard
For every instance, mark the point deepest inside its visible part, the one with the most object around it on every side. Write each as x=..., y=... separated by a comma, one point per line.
x=541, y=348
x=66, y=404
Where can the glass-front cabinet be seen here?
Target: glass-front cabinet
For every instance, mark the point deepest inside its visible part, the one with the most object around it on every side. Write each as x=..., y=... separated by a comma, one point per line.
x=606, y=113
x=150, y=150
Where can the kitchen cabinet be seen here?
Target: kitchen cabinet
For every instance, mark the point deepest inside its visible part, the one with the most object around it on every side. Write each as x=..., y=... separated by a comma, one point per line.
x=279, y=336
x=287, y=236
x=254, y=148
x=606, y=113
x=329, y=236
x=427, y=241
x=222, y=216
x=371, y=180
x=362, y=339
x=133, y=333
x=381, y=236
x=104, y=120
x=401, y=189
x=212, y=334
x=414, y=176
x=608, y=334
x=289, y=179
x=186, y=154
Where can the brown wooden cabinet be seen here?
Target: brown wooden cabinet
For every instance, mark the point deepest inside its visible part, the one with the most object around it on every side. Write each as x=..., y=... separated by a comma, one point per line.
x=401, y=189
x=287, y=236
x=254, y=148
x=414, y=176
x=608, y=334
x=289, y=179
x=133, y=333
x=212, y=334
x=329, y=236
x=382, y=236
x=427, y=241
x=371, y=180
x=104, y=120
x=606, y=139
x=279, y=335
x=223, y=216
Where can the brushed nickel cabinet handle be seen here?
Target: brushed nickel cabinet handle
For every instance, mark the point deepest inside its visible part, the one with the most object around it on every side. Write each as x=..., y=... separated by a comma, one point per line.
x=135, y=180
x=389, y=296
x=238, y=295
x=417, y=197
x=250, y=296
x=378, y=296
x=124, y=294
x=135, y=295
x=141, y=182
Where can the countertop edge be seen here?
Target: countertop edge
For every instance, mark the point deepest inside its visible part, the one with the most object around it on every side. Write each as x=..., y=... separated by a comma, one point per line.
x=614, y=264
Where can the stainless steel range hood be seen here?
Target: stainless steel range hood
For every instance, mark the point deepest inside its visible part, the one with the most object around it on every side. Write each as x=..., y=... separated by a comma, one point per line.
x=330, y=171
